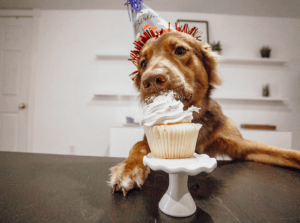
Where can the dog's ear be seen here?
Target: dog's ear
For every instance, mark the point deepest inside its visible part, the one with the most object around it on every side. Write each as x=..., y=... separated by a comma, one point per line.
x=210, y=61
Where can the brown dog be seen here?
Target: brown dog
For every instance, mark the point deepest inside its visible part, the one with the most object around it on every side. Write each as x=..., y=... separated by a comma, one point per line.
x=177, y=61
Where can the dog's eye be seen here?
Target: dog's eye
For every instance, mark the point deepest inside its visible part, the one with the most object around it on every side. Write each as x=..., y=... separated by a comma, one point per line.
x=180, y=50
x=144, y=63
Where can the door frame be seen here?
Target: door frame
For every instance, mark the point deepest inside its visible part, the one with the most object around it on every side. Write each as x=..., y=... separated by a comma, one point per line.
x=35, y=14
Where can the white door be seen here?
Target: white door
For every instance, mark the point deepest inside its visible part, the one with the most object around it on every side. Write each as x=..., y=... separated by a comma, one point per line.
x=15, y=63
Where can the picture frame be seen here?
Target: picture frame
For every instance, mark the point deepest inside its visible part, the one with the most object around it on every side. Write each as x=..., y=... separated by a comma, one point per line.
x=200, y=24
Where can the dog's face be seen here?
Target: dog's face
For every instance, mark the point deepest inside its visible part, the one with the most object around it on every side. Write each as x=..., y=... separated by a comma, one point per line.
x=177, y=61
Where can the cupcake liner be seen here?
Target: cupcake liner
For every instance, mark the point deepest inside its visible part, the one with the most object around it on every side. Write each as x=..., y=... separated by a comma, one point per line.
x=173, y=141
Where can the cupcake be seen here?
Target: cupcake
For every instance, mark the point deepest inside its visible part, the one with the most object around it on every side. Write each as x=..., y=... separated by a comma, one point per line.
x=168, y=128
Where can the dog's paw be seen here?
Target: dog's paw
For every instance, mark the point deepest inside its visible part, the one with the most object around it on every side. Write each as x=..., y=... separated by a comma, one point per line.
x=126, y=176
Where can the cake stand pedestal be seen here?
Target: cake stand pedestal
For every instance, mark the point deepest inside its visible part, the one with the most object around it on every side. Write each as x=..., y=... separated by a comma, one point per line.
x=177, y=201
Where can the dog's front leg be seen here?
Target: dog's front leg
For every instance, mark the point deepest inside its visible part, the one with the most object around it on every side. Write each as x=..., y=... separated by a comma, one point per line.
x=132, y=171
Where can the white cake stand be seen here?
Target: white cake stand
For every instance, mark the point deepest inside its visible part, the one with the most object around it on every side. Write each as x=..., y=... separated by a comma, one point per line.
x=177, y=201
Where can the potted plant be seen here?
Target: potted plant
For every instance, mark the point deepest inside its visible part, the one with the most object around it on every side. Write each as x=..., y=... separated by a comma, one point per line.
x=266, y=91
x=216, y=47
x=265, y=52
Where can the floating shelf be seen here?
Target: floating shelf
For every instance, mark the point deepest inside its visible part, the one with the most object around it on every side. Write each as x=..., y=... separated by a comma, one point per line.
x=133, y=94
x=223, y=59
x=256, y=61
x=107, y=93
x=274, y=99
x=112, y=57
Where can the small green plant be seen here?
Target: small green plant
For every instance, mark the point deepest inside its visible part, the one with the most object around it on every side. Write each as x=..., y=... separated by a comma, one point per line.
x=216, y=46
x=265, y=51
x=266, y=90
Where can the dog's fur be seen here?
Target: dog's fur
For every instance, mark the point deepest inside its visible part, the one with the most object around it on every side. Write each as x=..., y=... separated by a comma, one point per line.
x=177, y=61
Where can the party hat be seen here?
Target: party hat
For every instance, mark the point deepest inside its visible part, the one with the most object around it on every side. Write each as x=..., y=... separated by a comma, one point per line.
x=145, y=18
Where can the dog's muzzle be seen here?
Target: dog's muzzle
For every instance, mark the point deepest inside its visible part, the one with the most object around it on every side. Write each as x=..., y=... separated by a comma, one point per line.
x=155, y=80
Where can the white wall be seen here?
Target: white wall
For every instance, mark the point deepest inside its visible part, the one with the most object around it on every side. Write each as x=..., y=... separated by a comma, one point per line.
x=67, y=114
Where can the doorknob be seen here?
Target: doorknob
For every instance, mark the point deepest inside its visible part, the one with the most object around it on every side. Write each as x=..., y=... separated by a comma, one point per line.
x=22, y=106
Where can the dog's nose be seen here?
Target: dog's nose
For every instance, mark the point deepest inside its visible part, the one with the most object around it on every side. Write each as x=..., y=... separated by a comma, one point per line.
x=155, y=79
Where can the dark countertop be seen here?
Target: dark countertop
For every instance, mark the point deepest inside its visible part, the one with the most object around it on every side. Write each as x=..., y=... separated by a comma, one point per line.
x=58, y=188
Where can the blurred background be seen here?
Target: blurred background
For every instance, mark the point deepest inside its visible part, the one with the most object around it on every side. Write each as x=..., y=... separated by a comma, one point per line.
x=65, y=86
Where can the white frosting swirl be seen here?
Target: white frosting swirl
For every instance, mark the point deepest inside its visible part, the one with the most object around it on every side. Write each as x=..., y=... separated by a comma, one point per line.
x=165, y=109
